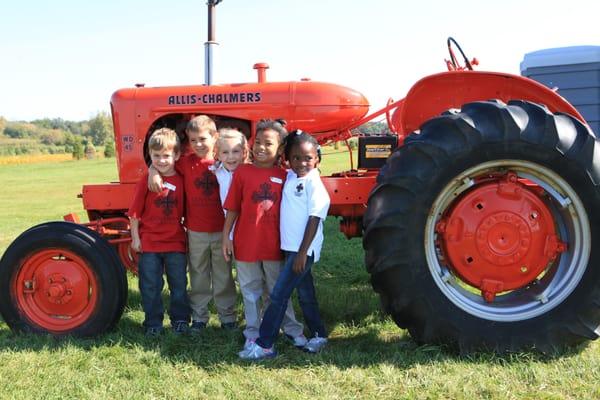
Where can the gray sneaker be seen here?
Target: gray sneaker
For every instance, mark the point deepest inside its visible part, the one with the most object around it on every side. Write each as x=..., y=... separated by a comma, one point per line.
x=256, y=353
x=248, y=343
x=298, y=341
x=315, y=344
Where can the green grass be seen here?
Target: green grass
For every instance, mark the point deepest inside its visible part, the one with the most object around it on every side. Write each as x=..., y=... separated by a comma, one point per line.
x=34, y=193
x=368, y=356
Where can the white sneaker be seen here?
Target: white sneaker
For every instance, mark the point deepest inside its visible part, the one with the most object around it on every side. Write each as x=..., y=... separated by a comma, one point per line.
x=255, y=353
x=248, y=343
x=298, y=341
x=315, y=344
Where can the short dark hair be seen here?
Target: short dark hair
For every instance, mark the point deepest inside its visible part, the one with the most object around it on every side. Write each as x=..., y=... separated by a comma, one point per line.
x=277, y=125
x=298, y=137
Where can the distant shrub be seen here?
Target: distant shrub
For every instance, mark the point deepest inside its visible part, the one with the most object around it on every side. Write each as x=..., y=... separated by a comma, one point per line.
x=90, y=151
x=55, y=137
x=109, y=149
x=77, y=151
x=353, y=142
x=12, y=147
x=374, y=128
x=20, y=130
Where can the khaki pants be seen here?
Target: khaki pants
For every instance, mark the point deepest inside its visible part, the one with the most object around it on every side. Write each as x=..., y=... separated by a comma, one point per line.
x=210, y=277
x=257, y=280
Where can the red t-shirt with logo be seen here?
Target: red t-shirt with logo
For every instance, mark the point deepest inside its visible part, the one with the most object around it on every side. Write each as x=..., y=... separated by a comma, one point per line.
x=204, y=212
x=255, y=193
x=160, y=216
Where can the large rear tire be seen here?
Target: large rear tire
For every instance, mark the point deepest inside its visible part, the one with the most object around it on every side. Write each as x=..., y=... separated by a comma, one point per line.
x=417, y=268
x=61, y=278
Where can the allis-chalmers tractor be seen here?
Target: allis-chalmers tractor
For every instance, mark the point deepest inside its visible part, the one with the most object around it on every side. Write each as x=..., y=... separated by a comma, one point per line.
x=478, y=215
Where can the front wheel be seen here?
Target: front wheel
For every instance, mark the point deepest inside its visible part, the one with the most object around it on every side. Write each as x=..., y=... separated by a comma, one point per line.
x=481, y=231
x=61, y=278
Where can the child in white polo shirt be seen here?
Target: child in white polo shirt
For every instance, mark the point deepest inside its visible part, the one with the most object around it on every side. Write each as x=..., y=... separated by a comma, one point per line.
x=304, y=206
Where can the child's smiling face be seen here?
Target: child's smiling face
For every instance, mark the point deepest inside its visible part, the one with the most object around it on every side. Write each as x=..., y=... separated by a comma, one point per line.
x=266, y=148
x=231, y=153
x=163, y=160
x=202, y=143
x=303, y=158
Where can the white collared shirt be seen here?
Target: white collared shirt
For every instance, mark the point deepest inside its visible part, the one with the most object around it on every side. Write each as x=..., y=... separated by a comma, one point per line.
x=224, y=177
x=302, y=197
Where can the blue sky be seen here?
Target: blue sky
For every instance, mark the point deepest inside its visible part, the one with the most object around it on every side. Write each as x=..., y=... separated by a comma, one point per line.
x=64, y=58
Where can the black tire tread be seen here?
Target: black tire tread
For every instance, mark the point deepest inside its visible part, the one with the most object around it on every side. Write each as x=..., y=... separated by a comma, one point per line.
x=394, y=220
x=109, y=271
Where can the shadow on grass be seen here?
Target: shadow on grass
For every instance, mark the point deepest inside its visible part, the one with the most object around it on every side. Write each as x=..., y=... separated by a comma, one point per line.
x=361, y=337
x=215, y=349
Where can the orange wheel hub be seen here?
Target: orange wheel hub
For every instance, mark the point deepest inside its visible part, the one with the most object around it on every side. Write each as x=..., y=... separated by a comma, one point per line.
x=56, y=290
x=499, y=236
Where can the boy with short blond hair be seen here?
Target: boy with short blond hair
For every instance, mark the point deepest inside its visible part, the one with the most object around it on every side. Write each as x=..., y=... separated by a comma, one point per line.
x=201, y=123
x=210, y=274
x=157, y=232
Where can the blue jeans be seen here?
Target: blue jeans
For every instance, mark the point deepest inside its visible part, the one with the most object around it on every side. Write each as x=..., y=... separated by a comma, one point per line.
x=151, y=267
x=287, y=281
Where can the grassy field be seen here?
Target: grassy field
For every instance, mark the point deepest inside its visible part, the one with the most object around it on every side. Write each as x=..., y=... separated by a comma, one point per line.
x=368, y=356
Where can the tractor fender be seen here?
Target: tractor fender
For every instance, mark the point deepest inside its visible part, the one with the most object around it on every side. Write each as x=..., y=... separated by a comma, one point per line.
x=437, y=93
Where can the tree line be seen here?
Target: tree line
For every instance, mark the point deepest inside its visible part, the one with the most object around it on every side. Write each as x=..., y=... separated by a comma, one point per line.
x=80, y=138
x=56, y=135
x=374, y=128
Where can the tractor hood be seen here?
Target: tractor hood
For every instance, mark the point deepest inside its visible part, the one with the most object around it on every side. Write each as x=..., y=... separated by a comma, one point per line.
x=316, y=107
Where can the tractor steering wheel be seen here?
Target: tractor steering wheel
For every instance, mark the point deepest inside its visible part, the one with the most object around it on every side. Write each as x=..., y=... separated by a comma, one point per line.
x=453, y=64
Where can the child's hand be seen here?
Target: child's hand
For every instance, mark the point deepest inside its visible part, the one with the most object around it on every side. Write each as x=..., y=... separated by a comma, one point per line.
x=136, y=245
x=155, y=182
x=299, y=263
x=227, y=249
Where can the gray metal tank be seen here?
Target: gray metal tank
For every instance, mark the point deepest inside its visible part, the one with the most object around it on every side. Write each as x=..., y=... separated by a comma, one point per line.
x=575, y=72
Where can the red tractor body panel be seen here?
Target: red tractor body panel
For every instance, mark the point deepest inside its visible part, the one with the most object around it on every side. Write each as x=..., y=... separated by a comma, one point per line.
x=319, y=108
x=108, y=197
x=434, y=94
x=326, y=110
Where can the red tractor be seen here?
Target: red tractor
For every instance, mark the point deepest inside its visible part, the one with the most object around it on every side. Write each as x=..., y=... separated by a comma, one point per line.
x=477, y=215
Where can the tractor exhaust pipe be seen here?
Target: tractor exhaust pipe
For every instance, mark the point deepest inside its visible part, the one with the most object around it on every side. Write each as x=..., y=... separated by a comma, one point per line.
x=210, y=43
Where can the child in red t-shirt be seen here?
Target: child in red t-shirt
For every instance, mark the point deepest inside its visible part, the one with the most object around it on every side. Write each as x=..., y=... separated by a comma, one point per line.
x=157, y=232
x=253, y=205
x=210, y=274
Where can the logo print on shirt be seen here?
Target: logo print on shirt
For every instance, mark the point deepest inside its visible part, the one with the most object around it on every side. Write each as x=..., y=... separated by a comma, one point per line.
x=207, y=182
x=265, y=198
x=167, y=203
x=264, y=194
x=299, y=189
